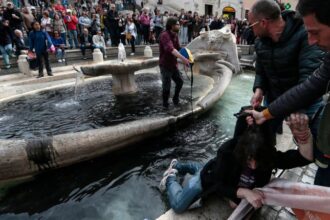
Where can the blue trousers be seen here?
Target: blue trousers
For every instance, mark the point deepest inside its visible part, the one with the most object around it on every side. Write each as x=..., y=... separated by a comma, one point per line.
x=73, y=36
x=181, y=198
x=6, y=51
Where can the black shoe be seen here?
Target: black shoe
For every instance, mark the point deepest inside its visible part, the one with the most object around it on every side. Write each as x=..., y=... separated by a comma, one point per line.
x=176, y=101
x=165, y=105
x=39, y=76
x=50, y=74
x=279, y=130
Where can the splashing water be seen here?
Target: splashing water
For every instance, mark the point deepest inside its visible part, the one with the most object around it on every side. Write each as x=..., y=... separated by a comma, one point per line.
x=80, y=79
x=121, y=53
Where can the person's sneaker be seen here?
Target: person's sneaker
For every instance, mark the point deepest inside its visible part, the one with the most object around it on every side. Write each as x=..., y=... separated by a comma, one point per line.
x=84, y=58
x=105, y=56
x=170, y=167
x=7, y=67
x=40, y=76
x=162, y=184
x=63, y=60
x=59, y=60
x=50, y=74
x=132, y=54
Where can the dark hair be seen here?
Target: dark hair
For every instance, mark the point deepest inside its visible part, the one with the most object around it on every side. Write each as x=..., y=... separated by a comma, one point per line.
x=254, y=142
x=320, y=8
x=258, y=144
x=170, y=22
x=33, y=23
x=268, y=9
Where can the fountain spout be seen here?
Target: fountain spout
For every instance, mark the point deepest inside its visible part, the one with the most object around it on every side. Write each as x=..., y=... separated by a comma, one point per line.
x=121, y=52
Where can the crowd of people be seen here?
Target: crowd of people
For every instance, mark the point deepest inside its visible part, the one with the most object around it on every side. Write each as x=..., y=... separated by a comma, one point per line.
x=88, y=25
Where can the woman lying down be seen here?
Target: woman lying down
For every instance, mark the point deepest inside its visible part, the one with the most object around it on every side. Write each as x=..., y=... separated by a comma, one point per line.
x=242, y=163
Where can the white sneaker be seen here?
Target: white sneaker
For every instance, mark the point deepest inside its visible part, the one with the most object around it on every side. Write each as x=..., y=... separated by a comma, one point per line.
x=105, y=56
x=132, y=54
x=63, y=60
x=59, y=60
x=170, y=167
x=162, y=184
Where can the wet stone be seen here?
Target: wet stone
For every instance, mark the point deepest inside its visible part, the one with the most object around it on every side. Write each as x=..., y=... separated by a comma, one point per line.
x=298, y=171
x=291, y=176
x=313, y=166
x=307, y=179
x=310, y=172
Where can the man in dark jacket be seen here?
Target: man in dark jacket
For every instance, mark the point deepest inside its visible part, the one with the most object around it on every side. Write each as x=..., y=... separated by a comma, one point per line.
x=85, y=42
x=112, y=23
x=317, y=21
x=284, y=58
x=6, y=40
x=13, y=16
x=168, y=55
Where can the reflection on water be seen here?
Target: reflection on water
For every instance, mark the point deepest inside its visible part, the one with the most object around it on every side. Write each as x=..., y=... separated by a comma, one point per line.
x=124, y=185
x=58, y=111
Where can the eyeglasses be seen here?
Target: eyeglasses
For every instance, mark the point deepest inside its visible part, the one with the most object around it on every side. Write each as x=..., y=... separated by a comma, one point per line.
x=255, y=23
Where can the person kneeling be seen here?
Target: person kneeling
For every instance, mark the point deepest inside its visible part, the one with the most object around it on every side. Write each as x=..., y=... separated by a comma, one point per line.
x=242, y=164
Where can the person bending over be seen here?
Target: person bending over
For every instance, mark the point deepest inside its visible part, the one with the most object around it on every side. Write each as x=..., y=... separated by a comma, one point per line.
x=242, y=164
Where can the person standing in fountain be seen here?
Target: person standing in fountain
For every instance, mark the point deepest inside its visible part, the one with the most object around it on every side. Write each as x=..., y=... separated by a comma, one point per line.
x=39, y=40
x=168, y=54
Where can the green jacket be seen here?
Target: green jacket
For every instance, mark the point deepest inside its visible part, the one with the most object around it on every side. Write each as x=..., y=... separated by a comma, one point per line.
x=284, y=64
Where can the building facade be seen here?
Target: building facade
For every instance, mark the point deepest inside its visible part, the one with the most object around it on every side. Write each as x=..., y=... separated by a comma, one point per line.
x=228, y=8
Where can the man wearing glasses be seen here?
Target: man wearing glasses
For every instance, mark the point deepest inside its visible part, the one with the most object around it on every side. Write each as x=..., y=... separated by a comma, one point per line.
x=168, y=55
x=284, y=57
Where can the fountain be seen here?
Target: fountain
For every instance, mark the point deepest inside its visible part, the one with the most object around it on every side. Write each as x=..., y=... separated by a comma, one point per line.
x=64, y=131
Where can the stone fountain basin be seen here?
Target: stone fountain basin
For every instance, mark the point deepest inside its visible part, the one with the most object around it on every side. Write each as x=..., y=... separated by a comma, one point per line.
x=24, y=158
x=117, y=67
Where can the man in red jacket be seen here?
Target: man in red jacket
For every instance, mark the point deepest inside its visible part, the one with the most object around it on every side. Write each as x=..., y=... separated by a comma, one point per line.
x=71, y=21
x=168, y=54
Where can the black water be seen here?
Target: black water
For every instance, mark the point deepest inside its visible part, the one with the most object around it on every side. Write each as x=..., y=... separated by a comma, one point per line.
x=123, y=186
x=57, y=111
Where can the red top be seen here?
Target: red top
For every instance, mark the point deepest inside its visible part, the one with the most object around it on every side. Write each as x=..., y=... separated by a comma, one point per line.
x=59, y=7
x=71, y=22
x=167, y=42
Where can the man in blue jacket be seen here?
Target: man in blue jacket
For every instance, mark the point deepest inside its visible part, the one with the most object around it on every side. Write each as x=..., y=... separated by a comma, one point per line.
x=39, y=43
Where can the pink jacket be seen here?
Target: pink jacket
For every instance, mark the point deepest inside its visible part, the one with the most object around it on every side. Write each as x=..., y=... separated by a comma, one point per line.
x=145, y=19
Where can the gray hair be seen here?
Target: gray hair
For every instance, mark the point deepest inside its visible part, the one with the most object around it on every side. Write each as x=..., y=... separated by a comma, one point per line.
x=268, y=9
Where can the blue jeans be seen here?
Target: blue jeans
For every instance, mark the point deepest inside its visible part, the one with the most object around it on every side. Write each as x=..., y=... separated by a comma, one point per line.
x=183, y=35
x=63, y=36
x=181, y=198
x=6, y=51
x=59, y=53
x=73, y=36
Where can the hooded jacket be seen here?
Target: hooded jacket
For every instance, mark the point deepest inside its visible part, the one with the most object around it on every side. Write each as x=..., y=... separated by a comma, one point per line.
x=286, y=63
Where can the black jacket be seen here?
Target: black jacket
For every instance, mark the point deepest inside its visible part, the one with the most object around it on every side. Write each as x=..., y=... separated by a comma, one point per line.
x=82, y=39
x=282, y=65
x=13, y=22
x=305, y=93
x=6, y=36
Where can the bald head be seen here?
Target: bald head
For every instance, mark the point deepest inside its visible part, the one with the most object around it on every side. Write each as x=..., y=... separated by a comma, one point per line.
x=267, y=9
